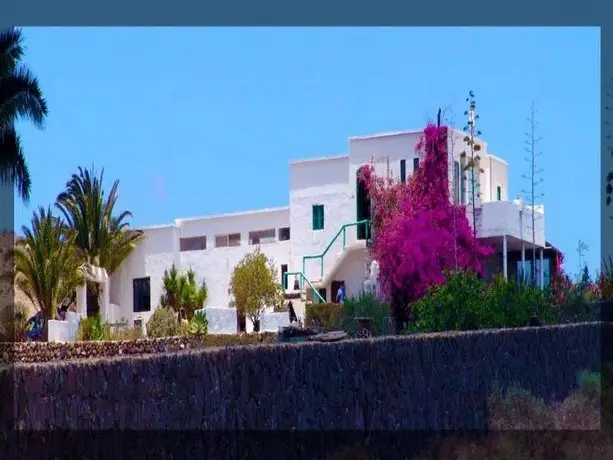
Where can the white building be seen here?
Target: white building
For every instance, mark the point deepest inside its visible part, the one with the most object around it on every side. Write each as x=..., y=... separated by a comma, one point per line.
x=317, y=233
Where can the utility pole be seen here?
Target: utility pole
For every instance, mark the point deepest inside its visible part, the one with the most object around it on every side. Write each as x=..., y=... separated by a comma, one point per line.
x=534, y=177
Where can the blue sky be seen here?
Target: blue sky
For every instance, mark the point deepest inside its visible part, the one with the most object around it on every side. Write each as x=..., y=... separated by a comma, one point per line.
x=198, y=121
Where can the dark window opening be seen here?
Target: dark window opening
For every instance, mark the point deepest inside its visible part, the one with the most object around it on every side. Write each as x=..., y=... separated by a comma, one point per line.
x=142, y=294
x=283, y=276
x=403, y=171
x=262, y=236
x=456, y=182
x=499, y=193
x=415, y=164
x=196, y=243
x=284, y=234
x=318, y=217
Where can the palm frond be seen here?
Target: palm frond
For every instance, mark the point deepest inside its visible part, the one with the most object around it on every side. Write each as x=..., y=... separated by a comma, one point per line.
x=21, y=98
x=11, y=50
x=13, y=167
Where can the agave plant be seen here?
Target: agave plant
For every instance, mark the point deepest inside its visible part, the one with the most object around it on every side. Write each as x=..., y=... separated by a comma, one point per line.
x=198, y=325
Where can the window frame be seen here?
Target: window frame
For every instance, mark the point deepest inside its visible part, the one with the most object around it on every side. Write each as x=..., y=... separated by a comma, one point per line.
x=318, y=217
x=135, y=292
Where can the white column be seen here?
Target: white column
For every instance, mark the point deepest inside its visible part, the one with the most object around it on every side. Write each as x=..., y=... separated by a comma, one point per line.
x=542, y=271
x=82, y=300
x=504, y=256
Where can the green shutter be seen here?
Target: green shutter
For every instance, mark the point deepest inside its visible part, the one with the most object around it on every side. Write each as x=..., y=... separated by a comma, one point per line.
x=498, y=193
x=318, y=217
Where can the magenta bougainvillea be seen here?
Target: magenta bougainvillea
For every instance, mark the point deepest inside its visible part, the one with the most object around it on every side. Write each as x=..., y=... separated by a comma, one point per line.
x=419, y=233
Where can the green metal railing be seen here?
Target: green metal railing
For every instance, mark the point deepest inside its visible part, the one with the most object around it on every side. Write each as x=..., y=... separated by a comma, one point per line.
x=301, y=275
x=301, y=281
x=342, y=231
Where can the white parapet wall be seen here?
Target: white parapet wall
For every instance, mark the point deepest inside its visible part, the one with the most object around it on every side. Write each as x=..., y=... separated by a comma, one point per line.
x=64, y=331
x=271, y=322
x=222, y=320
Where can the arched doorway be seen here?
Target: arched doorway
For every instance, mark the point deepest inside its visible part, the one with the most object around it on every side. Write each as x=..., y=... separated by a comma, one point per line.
x=362, y=205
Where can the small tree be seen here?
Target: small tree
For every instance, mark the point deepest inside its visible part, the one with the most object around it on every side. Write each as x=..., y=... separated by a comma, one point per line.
x=254, y=286
x=182, y=291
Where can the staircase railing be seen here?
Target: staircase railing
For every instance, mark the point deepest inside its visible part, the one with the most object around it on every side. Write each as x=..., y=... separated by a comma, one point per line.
x=341, y=232
x=302, y=279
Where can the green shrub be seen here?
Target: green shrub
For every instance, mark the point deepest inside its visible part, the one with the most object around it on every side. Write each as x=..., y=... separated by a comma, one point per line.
x=459, y=304
x=228, y=340
x=365, y=305
x=323, y=315
x=123, y=333
x=513, y=304
x=91, y=329
x=164, y=322
x=518, y=409
x=198, y=325
x=464, y=302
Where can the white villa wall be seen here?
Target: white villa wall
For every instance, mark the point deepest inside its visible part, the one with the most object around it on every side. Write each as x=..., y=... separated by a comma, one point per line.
x=353, y=273
x=315, y=182
x=328, y=181
x=215, y=265
x=159, y=251
x=495, y=174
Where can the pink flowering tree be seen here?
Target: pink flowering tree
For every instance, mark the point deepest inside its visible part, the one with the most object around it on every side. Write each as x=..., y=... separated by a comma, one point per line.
x=416, y=239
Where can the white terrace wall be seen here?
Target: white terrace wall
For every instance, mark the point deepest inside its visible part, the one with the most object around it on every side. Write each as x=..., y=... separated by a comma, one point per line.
x=215, y=264
x=318, y=182
x=159, y=251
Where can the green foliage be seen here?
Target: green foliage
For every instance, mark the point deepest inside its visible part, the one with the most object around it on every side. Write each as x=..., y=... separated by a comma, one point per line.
x=464, y=302
x=512, y=304
x=254, y=285
x=164, y=322
x=323, y=315
x=366, y=305
x=458, y=304
x=47, y=262
x=91, y=329
x=518, y=409
x=103, y=236
x=198, y=325
x=180, y=290
x=21, y=98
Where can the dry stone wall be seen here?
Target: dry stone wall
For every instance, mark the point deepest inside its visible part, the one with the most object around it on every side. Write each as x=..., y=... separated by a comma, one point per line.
x=434, y=381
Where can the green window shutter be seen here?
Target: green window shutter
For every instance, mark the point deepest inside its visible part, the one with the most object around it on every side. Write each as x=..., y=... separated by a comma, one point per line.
x=498, y=193
x=318, y=217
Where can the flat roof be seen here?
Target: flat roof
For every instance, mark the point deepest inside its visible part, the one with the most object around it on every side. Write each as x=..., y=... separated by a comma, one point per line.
x=386, y=134
x=316, y=159
x=232, y=214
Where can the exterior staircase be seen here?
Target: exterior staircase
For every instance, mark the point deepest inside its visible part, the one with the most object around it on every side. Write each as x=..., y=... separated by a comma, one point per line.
x=308, y=289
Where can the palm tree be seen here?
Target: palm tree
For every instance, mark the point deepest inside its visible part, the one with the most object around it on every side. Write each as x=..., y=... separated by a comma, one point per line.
x=105, y=239
x=20, y=98
x=47, y=263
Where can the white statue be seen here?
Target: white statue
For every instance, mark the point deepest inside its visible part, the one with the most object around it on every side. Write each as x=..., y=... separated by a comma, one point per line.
x=372, y=282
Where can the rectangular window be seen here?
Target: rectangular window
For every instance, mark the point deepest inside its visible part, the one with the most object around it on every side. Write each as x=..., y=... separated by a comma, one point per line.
x=318, y=217
x=415, y=164
x=456, y=182
x=323, y=293
x=284, y=234
x=141, y=300
x=283, y=277
x=223, y=241
x=403, y=171
x=196, y=243
x=262, y=236
x=234, y=239
x=499, y=193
